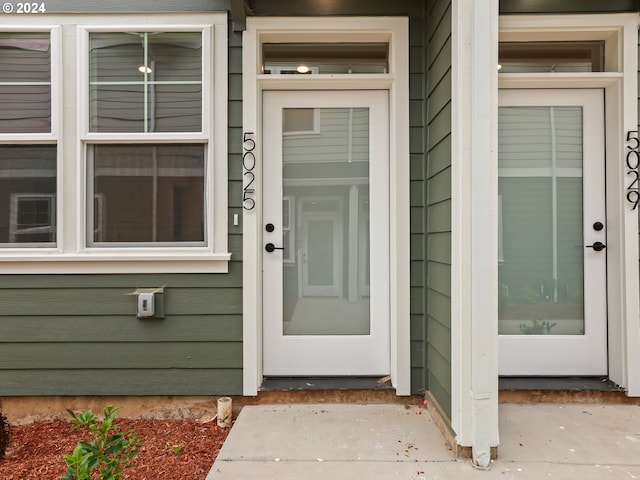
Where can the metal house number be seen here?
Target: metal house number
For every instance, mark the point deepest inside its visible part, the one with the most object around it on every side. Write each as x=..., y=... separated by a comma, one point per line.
x=632, y=160
x=248, y=175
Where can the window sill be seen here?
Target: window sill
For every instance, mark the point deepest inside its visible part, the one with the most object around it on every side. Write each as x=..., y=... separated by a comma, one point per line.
x=108, y=263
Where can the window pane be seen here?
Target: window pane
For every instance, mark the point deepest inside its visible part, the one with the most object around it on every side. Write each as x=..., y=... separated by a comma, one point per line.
x=148, y=194
x=146, y=82
x=325, y=182
x=25, y=83
x=299, y=120
x=313, y=58
x=115, y=57
x=27, y=195
x=121, y=108
x=551, y=57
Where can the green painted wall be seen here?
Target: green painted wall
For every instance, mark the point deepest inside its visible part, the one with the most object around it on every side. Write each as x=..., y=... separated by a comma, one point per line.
x=78, y=334
x=418, y=193
x=437, y=214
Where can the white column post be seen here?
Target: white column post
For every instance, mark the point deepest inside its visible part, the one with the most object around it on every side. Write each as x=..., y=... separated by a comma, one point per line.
x=475, y=227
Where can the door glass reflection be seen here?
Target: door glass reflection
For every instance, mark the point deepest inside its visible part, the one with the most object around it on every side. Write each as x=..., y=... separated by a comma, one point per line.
x=326, y=221
x=541, y=247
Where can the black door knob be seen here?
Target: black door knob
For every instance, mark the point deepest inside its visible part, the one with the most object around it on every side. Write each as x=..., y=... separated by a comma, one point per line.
x=598, y=226
x=597, y=246
x=270, y=247
x=269, y=227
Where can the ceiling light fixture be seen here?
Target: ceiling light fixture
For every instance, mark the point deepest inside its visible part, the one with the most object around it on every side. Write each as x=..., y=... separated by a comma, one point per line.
x=144, y=69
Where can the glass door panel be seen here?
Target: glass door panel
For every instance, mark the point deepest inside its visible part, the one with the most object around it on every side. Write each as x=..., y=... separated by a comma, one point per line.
x=552, y=310
x=325, y=262
x=325, y=174
x=540, y=188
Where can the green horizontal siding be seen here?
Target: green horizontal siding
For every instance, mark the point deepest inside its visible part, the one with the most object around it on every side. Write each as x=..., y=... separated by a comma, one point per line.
x=121, y=355
x=438, y=204
x=121, y=328
x=121, y=382
x=418, y=194
x=114, y=301
x=88, y=324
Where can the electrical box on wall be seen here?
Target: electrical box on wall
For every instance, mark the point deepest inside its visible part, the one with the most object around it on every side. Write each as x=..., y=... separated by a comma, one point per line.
x=146, y=307
x=150, y=302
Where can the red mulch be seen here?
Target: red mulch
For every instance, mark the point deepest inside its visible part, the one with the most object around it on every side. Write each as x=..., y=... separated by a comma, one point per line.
x=36, y=450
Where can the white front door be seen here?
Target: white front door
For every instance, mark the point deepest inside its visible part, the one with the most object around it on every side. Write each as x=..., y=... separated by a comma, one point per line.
x=552, y=233
x=326, y=167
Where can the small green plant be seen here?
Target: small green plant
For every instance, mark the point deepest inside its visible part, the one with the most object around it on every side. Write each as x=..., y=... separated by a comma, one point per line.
x=108, y=451
x=175, y=449
x=5, y=433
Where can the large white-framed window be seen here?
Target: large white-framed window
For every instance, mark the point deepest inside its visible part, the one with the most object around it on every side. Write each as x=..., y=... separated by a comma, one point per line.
x=139, y=168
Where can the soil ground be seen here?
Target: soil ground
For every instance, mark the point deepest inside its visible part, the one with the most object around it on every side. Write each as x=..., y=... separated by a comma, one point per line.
x=170, y=450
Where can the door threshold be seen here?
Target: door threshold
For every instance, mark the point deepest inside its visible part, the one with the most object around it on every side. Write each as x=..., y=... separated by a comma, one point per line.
x=566, y=384
x=279, y=384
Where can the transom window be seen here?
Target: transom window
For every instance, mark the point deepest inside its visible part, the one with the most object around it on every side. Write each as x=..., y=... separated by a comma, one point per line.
x=312, y=58
x=551, y=57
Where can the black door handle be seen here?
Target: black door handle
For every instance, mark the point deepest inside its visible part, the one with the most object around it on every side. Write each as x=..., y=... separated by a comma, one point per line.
x=270, y=247
x=597, y=246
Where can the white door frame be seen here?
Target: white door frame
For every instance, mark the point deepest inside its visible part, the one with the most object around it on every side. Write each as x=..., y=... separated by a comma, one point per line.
x=393, y=30
x=571, y=354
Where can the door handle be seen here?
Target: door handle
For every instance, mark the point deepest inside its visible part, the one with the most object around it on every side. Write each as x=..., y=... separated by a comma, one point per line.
x=597, y=246
x=270, y=247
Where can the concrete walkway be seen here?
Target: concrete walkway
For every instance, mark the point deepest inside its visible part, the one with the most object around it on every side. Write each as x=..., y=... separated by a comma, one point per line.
x=338, y=441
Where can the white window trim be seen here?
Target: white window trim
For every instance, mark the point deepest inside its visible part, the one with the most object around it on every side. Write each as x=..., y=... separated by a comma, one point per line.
x=342, y=29
x=71, y=255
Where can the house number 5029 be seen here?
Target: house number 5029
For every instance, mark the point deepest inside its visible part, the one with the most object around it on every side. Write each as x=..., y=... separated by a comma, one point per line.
x=248, y=175
x=632, y=160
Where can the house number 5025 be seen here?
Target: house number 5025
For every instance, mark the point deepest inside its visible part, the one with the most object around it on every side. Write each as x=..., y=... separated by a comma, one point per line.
x=632, y=160
x=248, y=175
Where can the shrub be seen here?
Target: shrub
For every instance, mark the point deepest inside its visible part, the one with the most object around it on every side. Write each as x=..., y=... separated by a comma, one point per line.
x=108, y=451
